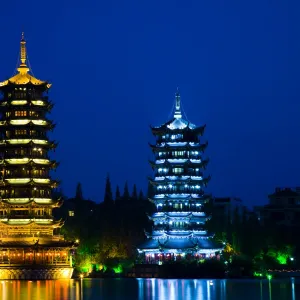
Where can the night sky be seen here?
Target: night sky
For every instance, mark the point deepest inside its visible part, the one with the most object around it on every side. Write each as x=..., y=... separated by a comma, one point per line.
x=115, y=67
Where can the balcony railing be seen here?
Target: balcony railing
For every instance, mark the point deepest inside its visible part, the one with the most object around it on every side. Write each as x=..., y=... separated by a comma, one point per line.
x=29, y=216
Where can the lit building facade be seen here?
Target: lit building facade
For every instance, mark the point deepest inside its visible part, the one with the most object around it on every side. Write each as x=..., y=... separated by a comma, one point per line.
x=179, y=223
x=28, y=232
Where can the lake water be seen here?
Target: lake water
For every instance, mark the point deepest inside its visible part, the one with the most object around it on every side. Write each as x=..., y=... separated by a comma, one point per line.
x=151, y=289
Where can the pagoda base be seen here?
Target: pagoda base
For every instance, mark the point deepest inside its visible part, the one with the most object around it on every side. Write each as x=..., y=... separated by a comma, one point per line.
x=35, y=272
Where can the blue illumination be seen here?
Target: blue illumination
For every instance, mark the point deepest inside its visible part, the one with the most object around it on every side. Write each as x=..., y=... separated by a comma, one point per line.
x=179, y=227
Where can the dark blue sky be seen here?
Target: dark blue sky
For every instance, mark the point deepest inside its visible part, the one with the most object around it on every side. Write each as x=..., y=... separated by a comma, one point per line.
x=115, y=66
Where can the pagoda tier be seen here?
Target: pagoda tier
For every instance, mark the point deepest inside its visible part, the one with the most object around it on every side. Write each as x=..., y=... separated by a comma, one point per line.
x=188, y=196
x=24, y=202
x=179, y=162
x=168, y=147
x=28, y=143
x=179, y=234
x=177, y=126
x=178, y=183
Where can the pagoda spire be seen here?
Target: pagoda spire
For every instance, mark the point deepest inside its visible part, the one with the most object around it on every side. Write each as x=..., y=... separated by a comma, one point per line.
x=177, y=113
x=23, y=68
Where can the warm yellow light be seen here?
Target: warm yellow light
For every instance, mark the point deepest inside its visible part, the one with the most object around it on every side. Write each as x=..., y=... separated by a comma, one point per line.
x=42, y=142
x=19, y=122
x=42, y=200
x=18, y=180
x=38, y=102
x=41, y=180
x=2, y=123
x=77, y=241
x=39, y=122
x=41, y=161
x=17, y=160
x=18, y=102
x=18, y=141
x=81, y=276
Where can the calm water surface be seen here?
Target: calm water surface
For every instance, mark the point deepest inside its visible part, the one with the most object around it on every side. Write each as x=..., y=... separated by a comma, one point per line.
x=150, y=289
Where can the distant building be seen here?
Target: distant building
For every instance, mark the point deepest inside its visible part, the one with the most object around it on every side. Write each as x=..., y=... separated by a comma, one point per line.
x=227, y=207
x=283, y=208
x=178, y=192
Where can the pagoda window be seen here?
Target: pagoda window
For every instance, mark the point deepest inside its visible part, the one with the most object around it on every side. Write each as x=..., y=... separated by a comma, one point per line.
x=7, y=113
x=178, y=153
x=177, y=170
x=19, y=151
x=20, y=95
x=7, y=134
x=71, y=213
x=34, y=114
x=20, y=131
x=20, y=113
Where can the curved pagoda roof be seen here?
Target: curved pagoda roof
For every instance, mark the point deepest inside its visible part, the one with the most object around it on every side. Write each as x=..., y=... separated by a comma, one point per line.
x=32, y=221
x=197, y=163
x=178, y=124
x=181, y=244
x=20, y=202
x=165, y=147
x=23, y=77
x=188, y=196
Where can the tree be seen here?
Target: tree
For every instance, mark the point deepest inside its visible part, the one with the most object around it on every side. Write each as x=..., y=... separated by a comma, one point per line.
x=118, y=194
x=134, y=195
x=79, y=195
x=141, y=196
x=126, y=194
x=108, y=197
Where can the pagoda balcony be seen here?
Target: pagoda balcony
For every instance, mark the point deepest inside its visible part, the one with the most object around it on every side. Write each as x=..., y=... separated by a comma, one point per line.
x=187, y=209
x=168, y=227
x=20, y=195
x=28, y=136
x=36, y=117
x=24, y=174
x=25, y=216
x=170, y=156
x=184, y=173
x=33, y=155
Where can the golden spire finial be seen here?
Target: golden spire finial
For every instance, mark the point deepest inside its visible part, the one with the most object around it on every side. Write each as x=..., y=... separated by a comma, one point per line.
x=23, y=56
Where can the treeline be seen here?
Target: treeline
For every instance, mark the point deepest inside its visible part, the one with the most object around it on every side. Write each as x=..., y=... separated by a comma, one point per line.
x=108, y=231
x=253, y=248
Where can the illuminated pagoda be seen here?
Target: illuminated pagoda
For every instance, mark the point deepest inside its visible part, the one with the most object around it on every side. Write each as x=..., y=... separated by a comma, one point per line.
x=179, y=223
x=30, y=246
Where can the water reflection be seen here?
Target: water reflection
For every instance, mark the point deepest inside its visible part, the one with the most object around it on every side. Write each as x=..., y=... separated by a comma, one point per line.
x=150, y=289
x=293, y=288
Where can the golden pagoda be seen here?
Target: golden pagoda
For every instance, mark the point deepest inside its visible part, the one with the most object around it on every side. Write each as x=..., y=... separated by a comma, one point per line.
x=30, y=244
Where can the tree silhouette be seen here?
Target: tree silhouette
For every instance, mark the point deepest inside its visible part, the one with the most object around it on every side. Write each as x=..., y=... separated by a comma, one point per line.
x=134, y=195
x=141, y=196
x=118, y=194
x=126, y=194
x=79, y=195
x=108, y=197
